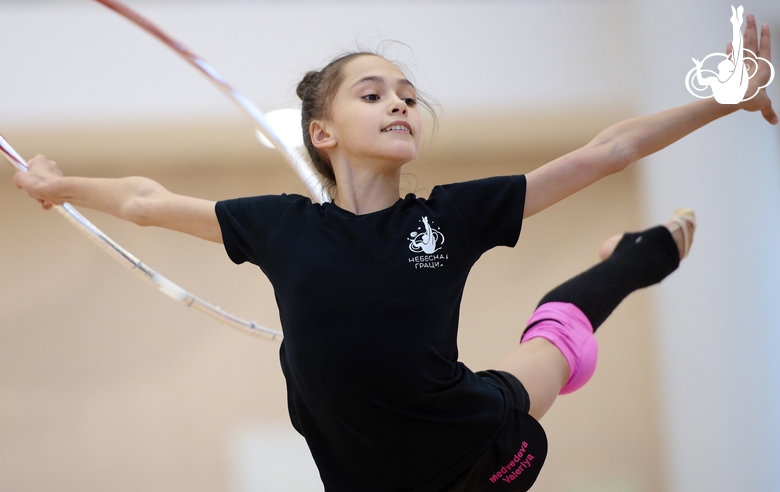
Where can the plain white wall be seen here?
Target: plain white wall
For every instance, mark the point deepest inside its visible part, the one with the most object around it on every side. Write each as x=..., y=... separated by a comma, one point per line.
x=720, y=321
x=79, y=62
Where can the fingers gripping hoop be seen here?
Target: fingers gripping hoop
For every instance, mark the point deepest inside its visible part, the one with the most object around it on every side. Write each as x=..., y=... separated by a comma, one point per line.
x=291, y=155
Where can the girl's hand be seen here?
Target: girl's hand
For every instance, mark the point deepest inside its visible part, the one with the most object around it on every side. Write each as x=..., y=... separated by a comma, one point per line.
x=761, y=101
x=37, y=180
x=136, y=199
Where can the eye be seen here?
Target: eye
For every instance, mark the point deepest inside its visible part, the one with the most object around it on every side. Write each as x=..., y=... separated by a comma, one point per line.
x=371, y=97
x=410, y=101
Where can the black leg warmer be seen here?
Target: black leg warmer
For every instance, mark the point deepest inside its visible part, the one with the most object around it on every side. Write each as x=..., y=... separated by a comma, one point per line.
x=639, y=260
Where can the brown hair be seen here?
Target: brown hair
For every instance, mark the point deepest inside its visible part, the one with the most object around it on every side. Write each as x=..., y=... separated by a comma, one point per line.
x=317, y=91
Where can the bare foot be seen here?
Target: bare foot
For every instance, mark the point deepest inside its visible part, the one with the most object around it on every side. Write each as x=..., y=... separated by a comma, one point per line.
x=609, y=246
x=682, y=226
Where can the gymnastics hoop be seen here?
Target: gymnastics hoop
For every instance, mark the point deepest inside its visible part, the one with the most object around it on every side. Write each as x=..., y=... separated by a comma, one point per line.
x=166, y=286
x=290, y=154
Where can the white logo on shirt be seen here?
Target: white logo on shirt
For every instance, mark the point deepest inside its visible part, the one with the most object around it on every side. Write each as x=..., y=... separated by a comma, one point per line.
x=427, y=242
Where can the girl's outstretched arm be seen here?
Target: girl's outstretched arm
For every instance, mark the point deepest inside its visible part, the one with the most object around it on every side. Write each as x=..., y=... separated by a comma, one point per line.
x=139, y=200
x=614, y=149
x=626, y=142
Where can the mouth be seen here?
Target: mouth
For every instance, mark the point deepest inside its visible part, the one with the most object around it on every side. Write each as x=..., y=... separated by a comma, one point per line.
x=399, y=127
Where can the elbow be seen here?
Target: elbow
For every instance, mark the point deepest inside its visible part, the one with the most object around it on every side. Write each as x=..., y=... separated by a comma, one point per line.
x=615, y=156
x=143, y=205
x=138, y=211
x=625, y=155
x=145, y=208
x=621, y=155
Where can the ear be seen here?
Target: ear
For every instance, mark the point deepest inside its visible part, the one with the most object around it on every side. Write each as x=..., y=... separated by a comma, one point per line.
x=321, y=137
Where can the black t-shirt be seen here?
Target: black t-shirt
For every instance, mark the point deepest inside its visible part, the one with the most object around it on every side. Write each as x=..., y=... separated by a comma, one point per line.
x=369, y=306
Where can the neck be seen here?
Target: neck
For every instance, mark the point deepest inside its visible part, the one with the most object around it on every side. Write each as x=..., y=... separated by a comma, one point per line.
x=362, y=191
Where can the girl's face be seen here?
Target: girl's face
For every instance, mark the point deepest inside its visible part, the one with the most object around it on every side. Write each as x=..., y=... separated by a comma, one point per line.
x=374, y=118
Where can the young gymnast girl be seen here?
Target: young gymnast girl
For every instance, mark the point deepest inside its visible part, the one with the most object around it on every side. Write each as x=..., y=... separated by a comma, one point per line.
x=369, y=285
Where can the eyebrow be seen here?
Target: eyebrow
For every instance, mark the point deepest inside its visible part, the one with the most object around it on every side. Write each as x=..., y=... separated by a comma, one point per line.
x=381, y=80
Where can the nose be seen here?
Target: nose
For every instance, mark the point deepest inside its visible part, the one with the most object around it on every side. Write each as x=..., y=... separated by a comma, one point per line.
x=398, y=106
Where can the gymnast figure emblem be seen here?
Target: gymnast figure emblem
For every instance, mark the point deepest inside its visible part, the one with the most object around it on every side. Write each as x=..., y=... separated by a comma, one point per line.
x=427, y=242
x=734, y=71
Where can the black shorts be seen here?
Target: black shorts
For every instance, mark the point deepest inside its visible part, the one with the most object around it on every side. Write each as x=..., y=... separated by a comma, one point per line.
x=515, y=459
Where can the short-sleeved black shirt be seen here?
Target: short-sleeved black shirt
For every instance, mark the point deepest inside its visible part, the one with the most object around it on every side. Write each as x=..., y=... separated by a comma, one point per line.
x=369, y=306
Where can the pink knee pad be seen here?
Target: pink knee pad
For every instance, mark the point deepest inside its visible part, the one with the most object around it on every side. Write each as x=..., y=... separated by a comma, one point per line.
x=566, y=327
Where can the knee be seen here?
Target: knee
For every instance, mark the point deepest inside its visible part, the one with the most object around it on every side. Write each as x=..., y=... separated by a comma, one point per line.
x=570, y=331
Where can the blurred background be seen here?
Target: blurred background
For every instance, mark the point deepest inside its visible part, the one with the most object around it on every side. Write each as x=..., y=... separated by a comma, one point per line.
x=107, y=385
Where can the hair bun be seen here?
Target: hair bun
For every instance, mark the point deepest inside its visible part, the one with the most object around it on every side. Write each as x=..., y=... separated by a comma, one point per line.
x=307, y=81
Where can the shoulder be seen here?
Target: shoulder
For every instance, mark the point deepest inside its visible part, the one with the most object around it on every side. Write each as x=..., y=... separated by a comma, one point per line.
x=491, y=209
x=481, y=188
x=261, y=200
x=489, y=182
x=264, y=212
x=248, y=224
x=262, y=203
